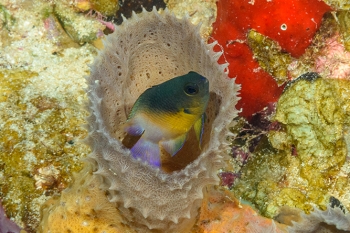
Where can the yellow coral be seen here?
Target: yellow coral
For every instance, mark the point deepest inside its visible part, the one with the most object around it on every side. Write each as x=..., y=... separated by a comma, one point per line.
x=83, y=208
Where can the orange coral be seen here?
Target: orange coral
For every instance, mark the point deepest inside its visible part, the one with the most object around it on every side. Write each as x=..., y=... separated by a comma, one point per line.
x=221, y=212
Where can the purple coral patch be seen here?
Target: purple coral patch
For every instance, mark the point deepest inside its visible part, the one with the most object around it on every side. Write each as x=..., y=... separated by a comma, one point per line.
x=6, y=225
x=228, y=178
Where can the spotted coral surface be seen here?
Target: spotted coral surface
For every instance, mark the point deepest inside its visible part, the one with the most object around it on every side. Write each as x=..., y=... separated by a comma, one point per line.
x=41, y=111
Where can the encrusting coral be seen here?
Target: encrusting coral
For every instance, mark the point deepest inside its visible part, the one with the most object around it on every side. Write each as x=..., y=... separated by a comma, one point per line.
x=222, y=212
x=304, y=161
x=145, y=50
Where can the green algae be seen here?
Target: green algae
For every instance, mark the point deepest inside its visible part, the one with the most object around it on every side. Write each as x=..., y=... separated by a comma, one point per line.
x=269, y=56
x=344, y=23
x=35, y=133
x=6, y=23
x=314, y=115
x=6, y=18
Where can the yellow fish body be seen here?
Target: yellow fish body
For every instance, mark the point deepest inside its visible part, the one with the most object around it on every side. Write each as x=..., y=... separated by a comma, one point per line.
x=164, y=114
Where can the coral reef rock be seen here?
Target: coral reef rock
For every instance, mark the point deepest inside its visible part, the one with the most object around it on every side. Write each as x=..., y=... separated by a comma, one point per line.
x=304, y=161
x=147, y=49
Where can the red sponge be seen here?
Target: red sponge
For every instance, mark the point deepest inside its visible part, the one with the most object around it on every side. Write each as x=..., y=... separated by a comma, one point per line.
x=291, y=23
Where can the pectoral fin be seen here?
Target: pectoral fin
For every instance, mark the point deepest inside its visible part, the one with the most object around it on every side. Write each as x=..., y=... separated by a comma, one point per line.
x=173, y=146
x=199, y=128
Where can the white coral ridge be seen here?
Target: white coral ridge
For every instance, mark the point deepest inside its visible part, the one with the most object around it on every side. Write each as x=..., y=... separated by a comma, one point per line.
x=318, y=221
x=145, y=50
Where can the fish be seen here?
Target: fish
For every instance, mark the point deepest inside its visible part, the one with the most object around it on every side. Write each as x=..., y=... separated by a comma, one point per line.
x=163, y=115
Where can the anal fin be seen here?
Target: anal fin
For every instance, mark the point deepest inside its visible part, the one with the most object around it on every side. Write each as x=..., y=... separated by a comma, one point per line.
x=147, y=151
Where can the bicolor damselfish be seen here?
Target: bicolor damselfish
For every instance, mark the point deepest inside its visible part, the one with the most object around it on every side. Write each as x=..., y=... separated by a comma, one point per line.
x=164, y=114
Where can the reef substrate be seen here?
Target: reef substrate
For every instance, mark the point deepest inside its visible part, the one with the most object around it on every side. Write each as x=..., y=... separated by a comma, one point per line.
x=42, y=108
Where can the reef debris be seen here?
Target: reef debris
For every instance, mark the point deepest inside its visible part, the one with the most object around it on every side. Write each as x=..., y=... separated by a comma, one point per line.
x=147, y=49
x=270, y=56
x=338, y=4
x=6, y=18
x=105, y=7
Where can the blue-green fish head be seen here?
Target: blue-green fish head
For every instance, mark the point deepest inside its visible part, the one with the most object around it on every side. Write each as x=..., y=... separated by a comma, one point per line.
x=165, y=113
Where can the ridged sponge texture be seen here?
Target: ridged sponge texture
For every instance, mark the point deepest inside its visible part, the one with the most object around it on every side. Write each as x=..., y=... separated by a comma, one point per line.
x=331, y=220
x=146, y=50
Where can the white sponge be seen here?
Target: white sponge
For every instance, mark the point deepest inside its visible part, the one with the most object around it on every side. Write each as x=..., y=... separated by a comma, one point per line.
x=146, y=50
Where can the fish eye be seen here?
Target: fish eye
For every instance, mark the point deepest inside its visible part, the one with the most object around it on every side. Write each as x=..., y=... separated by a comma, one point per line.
x=191, y=88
